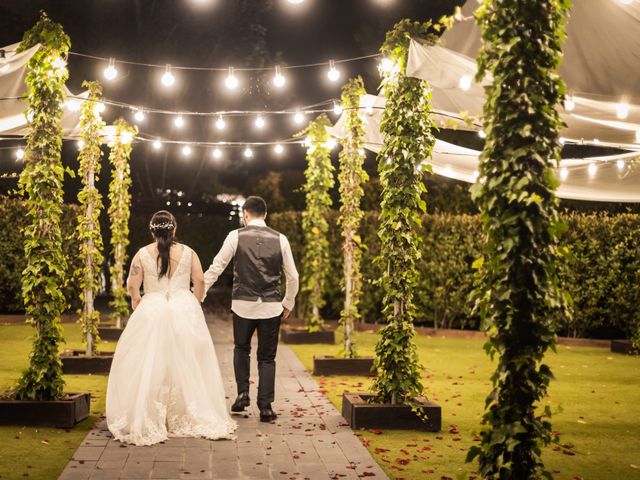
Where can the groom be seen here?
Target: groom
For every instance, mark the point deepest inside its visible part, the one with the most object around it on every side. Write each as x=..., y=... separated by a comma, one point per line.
x=259, y=255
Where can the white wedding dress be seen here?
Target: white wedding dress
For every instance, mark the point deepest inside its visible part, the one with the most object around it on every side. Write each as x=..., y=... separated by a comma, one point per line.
x=165, y=380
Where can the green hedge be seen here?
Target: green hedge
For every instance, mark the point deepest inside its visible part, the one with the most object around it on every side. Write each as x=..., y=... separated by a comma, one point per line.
x=602, y=275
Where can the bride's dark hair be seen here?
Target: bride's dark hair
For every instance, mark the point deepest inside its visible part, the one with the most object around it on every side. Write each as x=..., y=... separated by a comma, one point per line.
x=163, y=229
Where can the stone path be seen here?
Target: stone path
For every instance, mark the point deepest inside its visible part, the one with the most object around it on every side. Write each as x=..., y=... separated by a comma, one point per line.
x=308, y=441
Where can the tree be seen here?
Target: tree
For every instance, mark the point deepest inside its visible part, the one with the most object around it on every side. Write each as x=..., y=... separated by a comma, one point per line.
x=517, y=286
x=119, y=212
x=408, y=141
x=88, y=229
x=351, y=178
x=319, y=180
x=41, y=183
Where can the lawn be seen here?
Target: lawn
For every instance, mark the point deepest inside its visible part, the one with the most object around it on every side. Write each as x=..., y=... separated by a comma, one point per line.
x=596, y=398
x=42, y=453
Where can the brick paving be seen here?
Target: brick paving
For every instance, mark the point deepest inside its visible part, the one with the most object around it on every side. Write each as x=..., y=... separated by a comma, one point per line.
x=308, y=441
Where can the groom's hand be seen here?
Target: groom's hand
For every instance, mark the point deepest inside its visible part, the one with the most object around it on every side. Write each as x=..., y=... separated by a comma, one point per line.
x=285, y=313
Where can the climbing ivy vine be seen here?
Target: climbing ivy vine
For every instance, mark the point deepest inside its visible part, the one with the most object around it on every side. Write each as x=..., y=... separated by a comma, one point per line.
x=41, y=184
x=319, y=180
x=119, y=213
x=408, y=131
x=88, y=229
x=517, y=285
x=351, y=178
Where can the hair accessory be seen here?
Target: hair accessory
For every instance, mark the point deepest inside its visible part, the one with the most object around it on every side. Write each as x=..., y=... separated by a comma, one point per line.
x=161, y=226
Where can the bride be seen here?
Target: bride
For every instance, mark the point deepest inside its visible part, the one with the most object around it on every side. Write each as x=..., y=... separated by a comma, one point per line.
x=165, y=379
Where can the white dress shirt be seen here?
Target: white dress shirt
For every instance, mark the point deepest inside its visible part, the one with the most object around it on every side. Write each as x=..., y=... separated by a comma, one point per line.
x=257, y=309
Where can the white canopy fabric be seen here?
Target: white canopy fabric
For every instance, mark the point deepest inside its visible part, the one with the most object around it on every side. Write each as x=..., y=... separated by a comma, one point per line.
x=13, y=71
x=614, y=178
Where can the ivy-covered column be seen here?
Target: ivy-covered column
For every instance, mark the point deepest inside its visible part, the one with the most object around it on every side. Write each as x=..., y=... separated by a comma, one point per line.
x=408, y=141
x=319, y=180
x=351, y=178
x=41, y=184
x=90, y=200
x=517, y=282
x=119, y=213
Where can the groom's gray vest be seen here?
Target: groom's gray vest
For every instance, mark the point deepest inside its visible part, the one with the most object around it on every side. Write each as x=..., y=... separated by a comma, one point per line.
x=257, y=265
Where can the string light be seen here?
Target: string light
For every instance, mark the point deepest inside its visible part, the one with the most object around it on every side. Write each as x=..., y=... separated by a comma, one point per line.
x=20, y=154
x=73, y=105
x=100, y=107
x=465, y=82
x=59, y=64
x=295, y=2
x=622, y=110
x=331, y=143
x=362, y=152
x=564, y=173
x=482, y=134
x=126, y=137
x=157, y=144
x=217, y=153
x=593, y=169
x=386, y=65
x=562, y=140
x=80, y=144
x=231, y=81
x=278, y=149
x=278, y=78
x=620, y=164
x=167, y=78
x=179, y=121
x=111, y=72
x=337, y=108
x=248, y=153
x=139, y=116
x=333, y=74
x=220, y=123
x=259, y=121
x=298, y=117
x=569, y=103
x=186, y=150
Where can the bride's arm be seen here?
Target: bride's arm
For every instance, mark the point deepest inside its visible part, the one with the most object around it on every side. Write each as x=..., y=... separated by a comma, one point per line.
x=134, y=282
x=197, y=277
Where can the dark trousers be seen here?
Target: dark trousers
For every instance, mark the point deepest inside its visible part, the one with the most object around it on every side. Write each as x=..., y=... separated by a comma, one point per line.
x=268, y=329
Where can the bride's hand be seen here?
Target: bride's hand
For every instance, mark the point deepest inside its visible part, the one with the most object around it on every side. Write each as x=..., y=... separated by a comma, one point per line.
x=135, y=302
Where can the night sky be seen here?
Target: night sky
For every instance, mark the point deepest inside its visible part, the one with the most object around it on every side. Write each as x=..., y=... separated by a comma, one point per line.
x=213, y=33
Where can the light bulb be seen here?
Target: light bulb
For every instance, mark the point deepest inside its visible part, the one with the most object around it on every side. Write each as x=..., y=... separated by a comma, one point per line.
x=295, y=2
x=562, y=140
x=481, y=134
x=248, y=153
x=593, y=169
x=564, y=173
x=186, y=150
x=622, y=110
x=333, y=74
x=386, y=65
x=331, y=143
x=73, y=105
x=220, y=123
x=157, y=145
x=126, y=137
x=100, y=107
x=569, y=104
x=59, y=64
x=167, y=78
x=298, y=117
x=465, y=82
x=80, y=144
x=362, y=152
x=231, y=81
x=278, y=78
x=179, y=121
x=620, y=164
x=20, y=154
x=217, y=153
x=337, y=108
x=139, y=116
x=259, y=122
x=278, y=149
x=111, y=72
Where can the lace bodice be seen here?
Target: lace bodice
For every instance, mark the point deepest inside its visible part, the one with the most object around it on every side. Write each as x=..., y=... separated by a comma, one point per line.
x=180, y=278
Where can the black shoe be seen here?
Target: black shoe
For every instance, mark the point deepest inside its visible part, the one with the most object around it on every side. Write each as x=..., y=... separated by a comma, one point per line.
x=241, y=402
x=267, y=414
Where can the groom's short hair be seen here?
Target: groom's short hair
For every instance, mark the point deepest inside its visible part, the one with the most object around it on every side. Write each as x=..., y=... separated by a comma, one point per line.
x=255, y=206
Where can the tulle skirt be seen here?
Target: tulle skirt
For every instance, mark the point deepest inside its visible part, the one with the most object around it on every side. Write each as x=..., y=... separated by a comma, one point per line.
x=165, y=380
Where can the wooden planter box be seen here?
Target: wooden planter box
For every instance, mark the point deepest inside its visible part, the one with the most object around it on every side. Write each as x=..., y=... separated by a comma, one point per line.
x=75, y=361
x=359, y=413
x=58, y=413
x=298, y=336
x=623, y=346
x=326, y=365
x=110, y=333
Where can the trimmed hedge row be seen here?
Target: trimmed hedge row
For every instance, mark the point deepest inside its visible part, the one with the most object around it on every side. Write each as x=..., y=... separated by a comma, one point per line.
x=602, y=274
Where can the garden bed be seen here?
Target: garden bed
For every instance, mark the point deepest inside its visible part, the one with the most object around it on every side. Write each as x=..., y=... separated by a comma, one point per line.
x=56, y=413
x=328, y=365
x=75, y=361
x=301, y=335
x=624, y=347
x=360, y=413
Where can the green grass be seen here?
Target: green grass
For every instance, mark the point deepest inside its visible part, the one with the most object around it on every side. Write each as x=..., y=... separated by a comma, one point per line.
x=596, y=397
x=42, y=453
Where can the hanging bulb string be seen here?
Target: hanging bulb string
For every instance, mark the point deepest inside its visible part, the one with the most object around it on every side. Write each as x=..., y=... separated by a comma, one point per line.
x=226, y=69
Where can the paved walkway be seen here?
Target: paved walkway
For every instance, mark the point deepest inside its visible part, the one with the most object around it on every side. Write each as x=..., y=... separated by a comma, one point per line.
x=308, y=441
